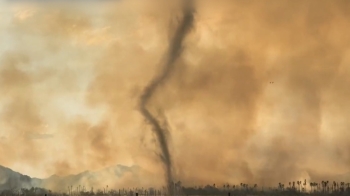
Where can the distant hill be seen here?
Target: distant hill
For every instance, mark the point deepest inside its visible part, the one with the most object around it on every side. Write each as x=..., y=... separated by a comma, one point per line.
x=89, y=179
x=10, y=179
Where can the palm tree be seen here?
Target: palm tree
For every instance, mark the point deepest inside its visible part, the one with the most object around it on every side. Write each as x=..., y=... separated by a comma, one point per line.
x=323, y=185
x=301, y=185
x=298, y=183
x=311, y=185
x=316, y=186
x=337, y=186
x=293, y=185
x=280, y=186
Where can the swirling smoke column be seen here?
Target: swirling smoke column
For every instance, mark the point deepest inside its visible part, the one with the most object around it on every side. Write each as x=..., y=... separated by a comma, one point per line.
x=174, y=51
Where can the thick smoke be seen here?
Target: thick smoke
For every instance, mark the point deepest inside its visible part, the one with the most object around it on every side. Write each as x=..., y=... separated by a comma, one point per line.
x=174, y=52
x=70, y=80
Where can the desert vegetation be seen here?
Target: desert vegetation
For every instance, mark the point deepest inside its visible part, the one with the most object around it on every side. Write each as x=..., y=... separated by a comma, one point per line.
x=292, y=188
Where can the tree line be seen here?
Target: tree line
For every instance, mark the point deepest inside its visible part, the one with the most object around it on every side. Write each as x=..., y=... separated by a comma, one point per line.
x=291, y=188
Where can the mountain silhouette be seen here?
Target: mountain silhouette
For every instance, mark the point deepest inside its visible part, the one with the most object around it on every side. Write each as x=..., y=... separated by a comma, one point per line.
x=10, y=179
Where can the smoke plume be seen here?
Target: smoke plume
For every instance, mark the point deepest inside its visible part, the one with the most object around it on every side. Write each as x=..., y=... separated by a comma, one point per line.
x=174, y=52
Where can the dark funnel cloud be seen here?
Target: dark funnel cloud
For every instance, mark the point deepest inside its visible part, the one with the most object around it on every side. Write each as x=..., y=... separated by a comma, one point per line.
x=174, y=51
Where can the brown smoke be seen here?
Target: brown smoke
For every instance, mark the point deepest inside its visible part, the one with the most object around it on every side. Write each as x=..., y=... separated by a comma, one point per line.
x=81, y=71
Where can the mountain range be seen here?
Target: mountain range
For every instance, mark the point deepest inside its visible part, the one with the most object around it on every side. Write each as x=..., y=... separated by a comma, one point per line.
x=10, y=179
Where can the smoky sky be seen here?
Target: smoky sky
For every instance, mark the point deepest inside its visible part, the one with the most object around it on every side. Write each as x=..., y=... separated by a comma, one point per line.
x=259, y=93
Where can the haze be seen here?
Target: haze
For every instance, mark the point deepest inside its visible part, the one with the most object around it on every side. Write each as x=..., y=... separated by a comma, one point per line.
x=260, y=93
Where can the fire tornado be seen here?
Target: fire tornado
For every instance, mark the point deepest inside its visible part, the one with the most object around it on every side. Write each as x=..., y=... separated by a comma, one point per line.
x=174, y=52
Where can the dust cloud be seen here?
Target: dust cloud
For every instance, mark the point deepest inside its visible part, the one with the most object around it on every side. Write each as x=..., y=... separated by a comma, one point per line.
x=259, y=95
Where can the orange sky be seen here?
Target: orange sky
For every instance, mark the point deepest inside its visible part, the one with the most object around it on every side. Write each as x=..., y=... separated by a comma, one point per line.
x=71, y=76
